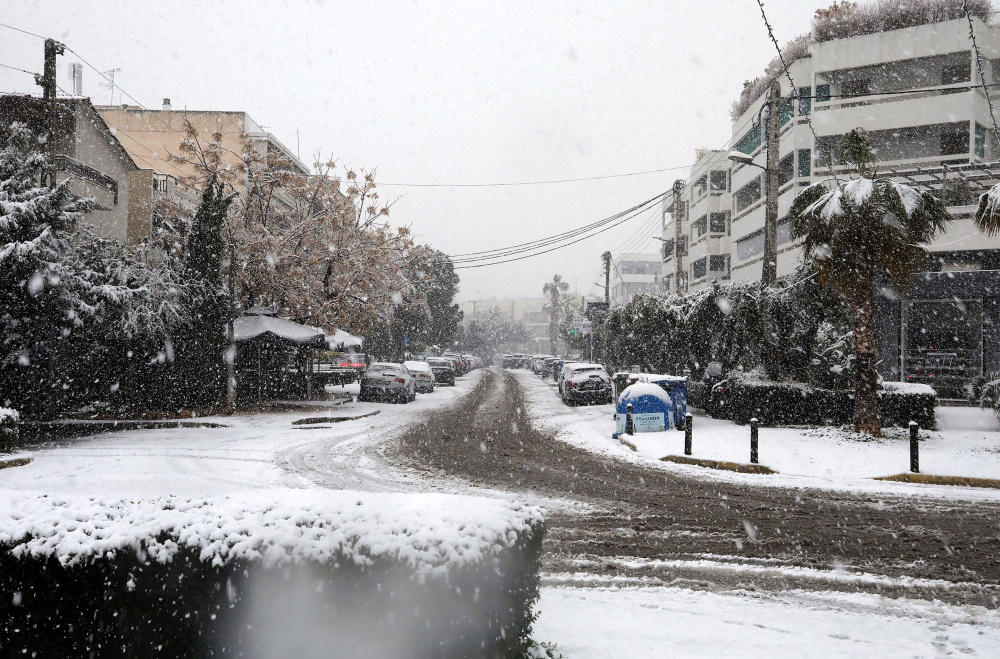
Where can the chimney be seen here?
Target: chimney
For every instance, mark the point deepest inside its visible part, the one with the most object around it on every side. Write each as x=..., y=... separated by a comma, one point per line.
x=76, y=78
x=166, y=105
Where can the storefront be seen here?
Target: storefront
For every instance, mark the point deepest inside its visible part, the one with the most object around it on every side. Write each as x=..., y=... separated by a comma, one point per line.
x=945, y=332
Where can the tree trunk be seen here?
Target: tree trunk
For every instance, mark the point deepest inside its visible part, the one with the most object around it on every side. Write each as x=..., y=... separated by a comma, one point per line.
x=866, y=386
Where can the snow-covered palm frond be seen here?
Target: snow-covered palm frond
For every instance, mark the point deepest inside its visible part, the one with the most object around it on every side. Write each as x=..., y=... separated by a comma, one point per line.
x=865, y=229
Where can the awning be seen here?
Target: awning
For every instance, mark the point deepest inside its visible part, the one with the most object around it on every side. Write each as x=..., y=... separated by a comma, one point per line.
x=341, y=340
x=246, y=328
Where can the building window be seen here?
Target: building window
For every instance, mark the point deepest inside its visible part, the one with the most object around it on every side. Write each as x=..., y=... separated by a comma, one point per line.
x=668, y=249
x=822, y=93
x=805, y=101
x=784, y=232
x=719, y=222
x=698, y=268
x=805, y=163
x=750, y=142
x=786, y=111
x=719, y=180
x=980, y=141
x=955, y=142
x=748, y=195
x=719, y=264
x=699, y=227
x=786, y=169
x=750, y=245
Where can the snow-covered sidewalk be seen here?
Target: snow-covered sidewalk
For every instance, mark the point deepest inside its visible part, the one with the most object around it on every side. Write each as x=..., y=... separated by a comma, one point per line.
x=967, y=443
x=640, y=623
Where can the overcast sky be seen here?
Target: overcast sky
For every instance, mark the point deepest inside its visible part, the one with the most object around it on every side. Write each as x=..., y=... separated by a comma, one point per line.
x=447, y=92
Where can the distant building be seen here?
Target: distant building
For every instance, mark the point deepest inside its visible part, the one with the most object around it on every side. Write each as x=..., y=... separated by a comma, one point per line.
x=89, y=154
x=632, y=274
x=529, y=310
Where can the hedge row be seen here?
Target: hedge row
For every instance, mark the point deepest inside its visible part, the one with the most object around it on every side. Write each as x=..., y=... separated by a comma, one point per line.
x=9, y=421
x=780, y=403
x=129, y=603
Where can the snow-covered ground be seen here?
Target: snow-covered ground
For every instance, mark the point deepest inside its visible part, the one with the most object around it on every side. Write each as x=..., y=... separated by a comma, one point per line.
x=967, y=443
x=252, y=452
x=640, y=623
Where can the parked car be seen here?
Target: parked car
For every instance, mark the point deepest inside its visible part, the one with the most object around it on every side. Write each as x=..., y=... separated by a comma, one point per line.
x=443, y=369
x=460, y=366
x=568, y=364
x=422, y=375
x=586, y=383
x=387, y=381
x=547, y=366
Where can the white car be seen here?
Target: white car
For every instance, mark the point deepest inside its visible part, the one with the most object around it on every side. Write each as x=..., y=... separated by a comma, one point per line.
x=586, y=383
x=384, y=380
x=422, y=374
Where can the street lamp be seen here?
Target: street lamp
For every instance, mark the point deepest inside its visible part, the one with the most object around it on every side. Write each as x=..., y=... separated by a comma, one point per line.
x=744, y=159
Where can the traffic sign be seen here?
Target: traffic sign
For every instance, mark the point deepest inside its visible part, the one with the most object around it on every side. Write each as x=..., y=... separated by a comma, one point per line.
x=406, y=340
x=582, y=327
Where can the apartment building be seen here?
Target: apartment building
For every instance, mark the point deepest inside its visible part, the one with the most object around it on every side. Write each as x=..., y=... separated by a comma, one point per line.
x=916, y=92
x=91, y=157
x=632, y=274
x=153, y=135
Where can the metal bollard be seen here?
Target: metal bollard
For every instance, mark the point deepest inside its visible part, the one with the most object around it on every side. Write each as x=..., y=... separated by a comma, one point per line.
x=688, y=422
x=914, y=448
x=629, y=424
x=753, y=441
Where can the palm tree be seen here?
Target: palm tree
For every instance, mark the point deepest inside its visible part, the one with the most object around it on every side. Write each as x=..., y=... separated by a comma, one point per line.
x=555, y=289
x=865, y=231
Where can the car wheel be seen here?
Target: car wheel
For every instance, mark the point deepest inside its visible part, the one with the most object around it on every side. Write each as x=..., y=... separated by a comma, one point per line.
x=403, y=397
x=432, y=390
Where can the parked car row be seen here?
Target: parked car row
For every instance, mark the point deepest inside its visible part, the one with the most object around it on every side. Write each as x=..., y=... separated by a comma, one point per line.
x=400, y=383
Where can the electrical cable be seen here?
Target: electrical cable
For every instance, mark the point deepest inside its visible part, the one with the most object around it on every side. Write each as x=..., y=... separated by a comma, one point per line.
x=794, y=89
x=552, y=249
x=979, y=66
x=544, y=242
x=14, y=68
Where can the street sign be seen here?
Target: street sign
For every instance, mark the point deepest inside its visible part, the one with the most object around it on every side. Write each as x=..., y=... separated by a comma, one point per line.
x=406, y=340
x=583, y=327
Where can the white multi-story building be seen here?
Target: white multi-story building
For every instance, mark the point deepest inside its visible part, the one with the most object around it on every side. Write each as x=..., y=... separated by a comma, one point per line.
x=916, y=92
x=632, y=274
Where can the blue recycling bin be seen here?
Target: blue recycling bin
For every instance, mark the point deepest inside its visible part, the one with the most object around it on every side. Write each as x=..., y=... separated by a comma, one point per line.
x=677, y=387
x=652, y=409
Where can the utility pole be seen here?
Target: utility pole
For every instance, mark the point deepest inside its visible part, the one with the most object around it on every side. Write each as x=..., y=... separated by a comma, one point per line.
x=680, y=244
x=47, y=81
x=606, y=257
x=769, y=272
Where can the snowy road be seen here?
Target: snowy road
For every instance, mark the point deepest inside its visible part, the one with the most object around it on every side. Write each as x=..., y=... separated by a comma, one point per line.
x=253, y=452
x=649, y=561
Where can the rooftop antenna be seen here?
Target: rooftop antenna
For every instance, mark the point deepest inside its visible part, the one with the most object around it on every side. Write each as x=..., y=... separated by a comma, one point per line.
x=110, y=84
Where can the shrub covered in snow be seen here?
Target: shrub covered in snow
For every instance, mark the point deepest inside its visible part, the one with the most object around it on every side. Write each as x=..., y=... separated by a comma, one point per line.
x=790, y=403
x=268, y=574
x=8, y=429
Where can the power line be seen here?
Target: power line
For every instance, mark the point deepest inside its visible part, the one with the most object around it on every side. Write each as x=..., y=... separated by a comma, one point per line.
x=573, y=242
x=17, y=29
x=794, y=89
x=14, y=68
x=979, y=66
x=490, y=253
x=548, y=182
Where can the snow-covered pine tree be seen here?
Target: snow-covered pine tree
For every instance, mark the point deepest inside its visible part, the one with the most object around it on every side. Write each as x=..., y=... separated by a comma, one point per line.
x=39, y=302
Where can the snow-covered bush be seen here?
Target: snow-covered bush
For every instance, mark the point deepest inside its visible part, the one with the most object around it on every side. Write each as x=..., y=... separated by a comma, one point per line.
x=791, y=403
x=9, y=420
x=268, y=574
x=733, y=324
x=851, y=19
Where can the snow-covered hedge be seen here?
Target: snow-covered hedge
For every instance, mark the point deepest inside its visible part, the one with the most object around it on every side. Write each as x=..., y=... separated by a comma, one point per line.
x=274, y=573
x=789, y=403
x=9, y=421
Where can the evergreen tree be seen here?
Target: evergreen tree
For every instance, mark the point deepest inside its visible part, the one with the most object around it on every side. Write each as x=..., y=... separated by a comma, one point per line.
x=40, y=301
x=200, y=350
x=556, y=290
